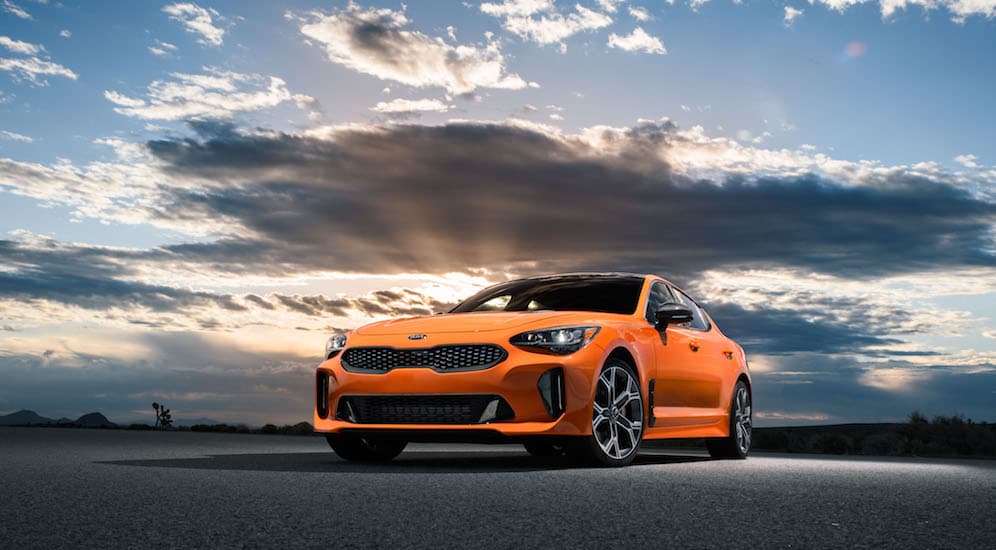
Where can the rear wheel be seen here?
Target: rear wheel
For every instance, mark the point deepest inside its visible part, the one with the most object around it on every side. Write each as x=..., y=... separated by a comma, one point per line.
x=357, y=448
x=617, y=417
x=737, y=445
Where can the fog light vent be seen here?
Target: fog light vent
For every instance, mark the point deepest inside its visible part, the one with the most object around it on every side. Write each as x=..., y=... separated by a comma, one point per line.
x=551, y=390
x=322, y=394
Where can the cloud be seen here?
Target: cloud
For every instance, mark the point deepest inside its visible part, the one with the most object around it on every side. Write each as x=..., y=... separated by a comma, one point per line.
x=794, y=384
x=516, y=8
x=542, y=23
x=968, y=161
x=791, y=14
x=215, y=94
x=637, y=41
x=610, y=6
x=263, y=200
x=5, y=134
x=15, y=10
x=34, y=69
x=960, y=10
x=378, y=304
x=376, y=42
x=20, y=47
x=197, y=20
x=782, y=415
x=408, y=107
x=695, y=108
x=161, y=49
x=661, y=177
x=66, y=33
x=38, y=269
x=104, y=293
x=640, y=14
x=31, y=67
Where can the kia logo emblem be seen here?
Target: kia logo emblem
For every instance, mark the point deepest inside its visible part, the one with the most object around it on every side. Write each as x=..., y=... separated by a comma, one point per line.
x=416, y=337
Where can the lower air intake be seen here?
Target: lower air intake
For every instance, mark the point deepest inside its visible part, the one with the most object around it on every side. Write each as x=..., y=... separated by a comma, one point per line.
x=423, y=409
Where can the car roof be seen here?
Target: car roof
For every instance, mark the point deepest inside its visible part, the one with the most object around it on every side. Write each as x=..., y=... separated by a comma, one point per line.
x=593, y=274
x=586, y=274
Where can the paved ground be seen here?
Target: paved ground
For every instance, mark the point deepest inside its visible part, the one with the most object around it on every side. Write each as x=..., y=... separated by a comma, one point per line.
x=98, y=488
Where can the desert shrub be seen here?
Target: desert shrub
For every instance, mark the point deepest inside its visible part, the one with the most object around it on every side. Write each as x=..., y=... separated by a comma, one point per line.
x=880, y=444
x=771, y=440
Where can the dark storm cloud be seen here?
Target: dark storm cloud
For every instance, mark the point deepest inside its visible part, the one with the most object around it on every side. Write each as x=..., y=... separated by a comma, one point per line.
x=789, y=331
x=818, y=323
x=105, y=293
x=822, y=323
x=433, y=199
x=94, y=278
x=381, y=303
x=834, y=386
x=256, y=300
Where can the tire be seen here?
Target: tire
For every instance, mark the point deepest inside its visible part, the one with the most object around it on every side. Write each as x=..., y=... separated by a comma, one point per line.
x=617, y=425
x=355, y=448
x=737, y=444
x=545, y=448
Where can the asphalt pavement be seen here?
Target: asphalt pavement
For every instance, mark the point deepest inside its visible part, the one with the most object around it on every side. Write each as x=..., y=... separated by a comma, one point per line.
x=66, y=488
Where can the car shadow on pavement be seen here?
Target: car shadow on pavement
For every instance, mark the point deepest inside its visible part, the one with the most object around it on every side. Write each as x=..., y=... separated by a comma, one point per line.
x=407, y=463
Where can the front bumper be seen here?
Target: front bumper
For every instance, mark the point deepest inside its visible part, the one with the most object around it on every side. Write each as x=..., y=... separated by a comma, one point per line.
x=515, y=380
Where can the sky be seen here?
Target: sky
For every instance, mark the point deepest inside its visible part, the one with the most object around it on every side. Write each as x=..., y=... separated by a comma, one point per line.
x=193, y=196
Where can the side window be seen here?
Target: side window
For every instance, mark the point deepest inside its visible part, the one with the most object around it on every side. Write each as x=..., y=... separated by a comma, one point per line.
x=659, y=295
x=497, y=303
x=699, y=321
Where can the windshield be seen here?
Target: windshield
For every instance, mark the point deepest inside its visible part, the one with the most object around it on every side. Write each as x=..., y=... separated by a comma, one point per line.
x=602, y=293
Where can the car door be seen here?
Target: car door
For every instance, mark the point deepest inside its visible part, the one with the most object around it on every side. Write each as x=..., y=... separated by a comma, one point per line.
x=686, y=387
x=701, y=379
x=674, y=362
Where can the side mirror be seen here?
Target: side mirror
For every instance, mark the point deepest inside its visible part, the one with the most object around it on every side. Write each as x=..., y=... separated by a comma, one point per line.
x=672, y=314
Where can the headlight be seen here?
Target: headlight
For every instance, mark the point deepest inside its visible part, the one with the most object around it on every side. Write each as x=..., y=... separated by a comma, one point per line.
x=558, y=341
x=334, y=345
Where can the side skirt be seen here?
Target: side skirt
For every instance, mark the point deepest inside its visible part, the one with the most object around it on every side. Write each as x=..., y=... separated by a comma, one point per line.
x=650, y=400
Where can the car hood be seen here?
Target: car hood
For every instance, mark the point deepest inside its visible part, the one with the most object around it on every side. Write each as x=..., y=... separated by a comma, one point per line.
x=467, y=322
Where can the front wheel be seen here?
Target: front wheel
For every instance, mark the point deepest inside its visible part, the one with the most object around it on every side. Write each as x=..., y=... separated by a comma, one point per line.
x=617, y=417
x=737, y=444
x=365, y=449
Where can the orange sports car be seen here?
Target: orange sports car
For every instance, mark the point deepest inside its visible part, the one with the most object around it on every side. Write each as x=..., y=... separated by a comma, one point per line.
x=587, y=364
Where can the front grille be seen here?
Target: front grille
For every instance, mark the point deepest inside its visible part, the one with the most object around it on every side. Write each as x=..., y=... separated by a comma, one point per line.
x=423, y=409
x=446, y=358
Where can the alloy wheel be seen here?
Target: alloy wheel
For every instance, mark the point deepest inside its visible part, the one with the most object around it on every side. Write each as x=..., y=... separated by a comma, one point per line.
x=617, y=416
x=742, y=419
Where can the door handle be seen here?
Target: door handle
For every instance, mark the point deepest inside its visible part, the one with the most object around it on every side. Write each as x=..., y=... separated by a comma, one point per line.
x=694, y=345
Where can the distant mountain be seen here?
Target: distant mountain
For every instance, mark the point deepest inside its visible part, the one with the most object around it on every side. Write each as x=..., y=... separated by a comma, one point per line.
x=23, y=418
x=95, y=420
